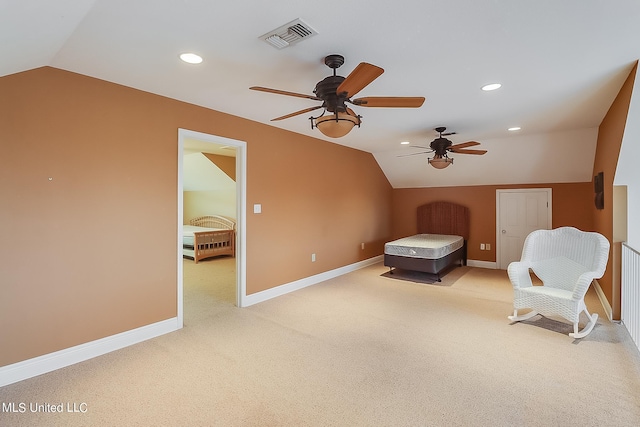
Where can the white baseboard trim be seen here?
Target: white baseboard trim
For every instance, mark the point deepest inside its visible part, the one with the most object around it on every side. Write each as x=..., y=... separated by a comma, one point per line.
x=307, y=281
x=603, y=300
x=50, y=362
x=482, y=264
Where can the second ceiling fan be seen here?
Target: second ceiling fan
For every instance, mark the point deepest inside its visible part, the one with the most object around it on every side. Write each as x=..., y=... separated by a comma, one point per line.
x=441, y=146
x=335, y=92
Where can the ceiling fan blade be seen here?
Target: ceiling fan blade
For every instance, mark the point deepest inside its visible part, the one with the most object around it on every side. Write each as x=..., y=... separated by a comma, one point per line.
x=359, y=78
x=465, y=144
x=297, y=113
x=284, y=92
x=464, y=151
x=390, y=101
x=415, y=154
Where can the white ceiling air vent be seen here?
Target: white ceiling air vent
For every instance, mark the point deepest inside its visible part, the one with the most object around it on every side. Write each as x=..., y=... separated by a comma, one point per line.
x=288, y=34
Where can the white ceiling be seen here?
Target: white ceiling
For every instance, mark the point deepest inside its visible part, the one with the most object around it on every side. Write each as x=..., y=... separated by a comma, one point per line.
x=561, y=63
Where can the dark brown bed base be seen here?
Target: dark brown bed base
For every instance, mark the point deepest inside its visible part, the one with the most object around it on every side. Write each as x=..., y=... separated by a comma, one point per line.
x=436, y=218
x=432, y=266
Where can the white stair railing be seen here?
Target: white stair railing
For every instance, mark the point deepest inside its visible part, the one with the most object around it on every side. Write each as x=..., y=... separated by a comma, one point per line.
x=630, y=296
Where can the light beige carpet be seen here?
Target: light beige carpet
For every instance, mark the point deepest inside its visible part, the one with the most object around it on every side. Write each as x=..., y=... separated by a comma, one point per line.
x=358, y=350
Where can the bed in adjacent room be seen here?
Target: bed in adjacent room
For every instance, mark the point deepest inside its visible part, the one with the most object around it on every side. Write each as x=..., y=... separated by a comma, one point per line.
x=209, y=236
x=441, y=242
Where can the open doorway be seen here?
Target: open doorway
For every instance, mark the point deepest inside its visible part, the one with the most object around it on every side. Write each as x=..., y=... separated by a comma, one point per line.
x=191, y=142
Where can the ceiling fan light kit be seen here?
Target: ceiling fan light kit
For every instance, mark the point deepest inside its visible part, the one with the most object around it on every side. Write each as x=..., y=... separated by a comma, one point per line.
x=335, y=125
x=336, y=91
x=440, y=162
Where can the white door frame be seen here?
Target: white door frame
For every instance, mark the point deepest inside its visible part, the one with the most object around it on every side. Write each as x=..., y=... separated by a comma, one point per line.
x=241, y=201
x=498, y=226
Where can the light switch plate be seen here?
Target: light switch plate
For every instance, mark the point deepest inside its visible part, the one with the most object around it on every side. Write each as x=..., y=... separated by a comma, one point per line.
x=257, y=208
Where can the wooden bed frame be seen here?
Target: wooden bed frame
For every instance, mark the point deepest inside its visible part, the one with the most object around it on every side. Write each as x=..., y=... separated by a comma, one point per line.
x=436, y=218
x=208, y=244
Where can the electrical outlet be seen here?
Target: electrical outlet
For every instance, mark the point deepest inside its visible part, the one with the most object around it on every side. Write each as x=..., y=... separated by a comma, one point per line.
x=313, y=257
x=482, y=246
x=488, y=246
x=362, y=246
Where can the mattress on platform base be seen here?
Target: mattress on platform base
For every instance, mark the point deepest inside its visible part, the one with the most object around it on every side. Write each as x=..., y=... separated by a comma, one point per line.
x=429, y=246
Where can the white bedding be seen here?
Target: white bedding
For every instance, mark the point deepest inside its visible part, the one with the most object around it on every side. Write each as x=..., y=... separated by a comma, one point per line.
x=429, y=246
x=188, y=230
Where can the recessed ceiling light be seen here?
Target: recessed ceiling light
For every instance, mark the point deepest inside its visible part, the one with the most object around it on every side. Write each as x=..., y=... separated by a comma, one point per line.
x=405, y=143
x=191, y=58
x=492, y=86
x=515, y=128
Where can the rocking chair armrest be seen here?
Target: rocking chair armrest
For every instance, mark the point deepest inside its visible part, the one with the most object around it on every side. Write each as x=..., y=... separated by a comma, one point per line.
x=519, y=274
x=582, y=284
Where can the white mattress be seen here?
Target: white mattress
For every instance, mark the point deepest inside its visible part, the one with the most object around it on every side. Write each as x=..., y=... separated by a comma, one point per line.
x=188, y=230
x=429, y=246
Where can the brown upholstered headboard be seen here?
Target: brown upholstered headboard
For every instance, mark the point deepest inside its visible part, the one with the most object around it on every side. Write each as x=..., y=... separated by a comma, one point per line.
x=443, y=218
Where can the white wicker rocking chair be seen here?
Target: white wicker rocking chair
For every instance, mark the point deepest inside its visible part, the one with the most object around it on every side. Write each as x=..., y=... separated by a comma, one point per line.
x=566, y=260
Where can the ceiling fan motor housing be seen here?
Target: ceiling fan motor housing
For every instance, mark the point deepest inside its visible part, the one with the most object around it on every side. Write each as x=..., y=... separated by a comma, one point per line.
x=326, y=90
x=440, y=145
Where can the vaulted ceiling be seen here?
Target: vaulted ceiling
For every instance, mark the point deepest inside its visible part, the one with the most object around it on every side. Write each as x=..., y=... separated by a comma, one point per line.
x=560, y=63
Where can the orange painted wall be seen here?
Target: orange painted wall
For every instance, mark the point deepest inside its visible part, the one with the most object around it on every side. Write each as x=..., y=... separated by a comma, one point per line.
x=316, y=198
x=610, y=135
x=92, y=252
x=571, y=204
